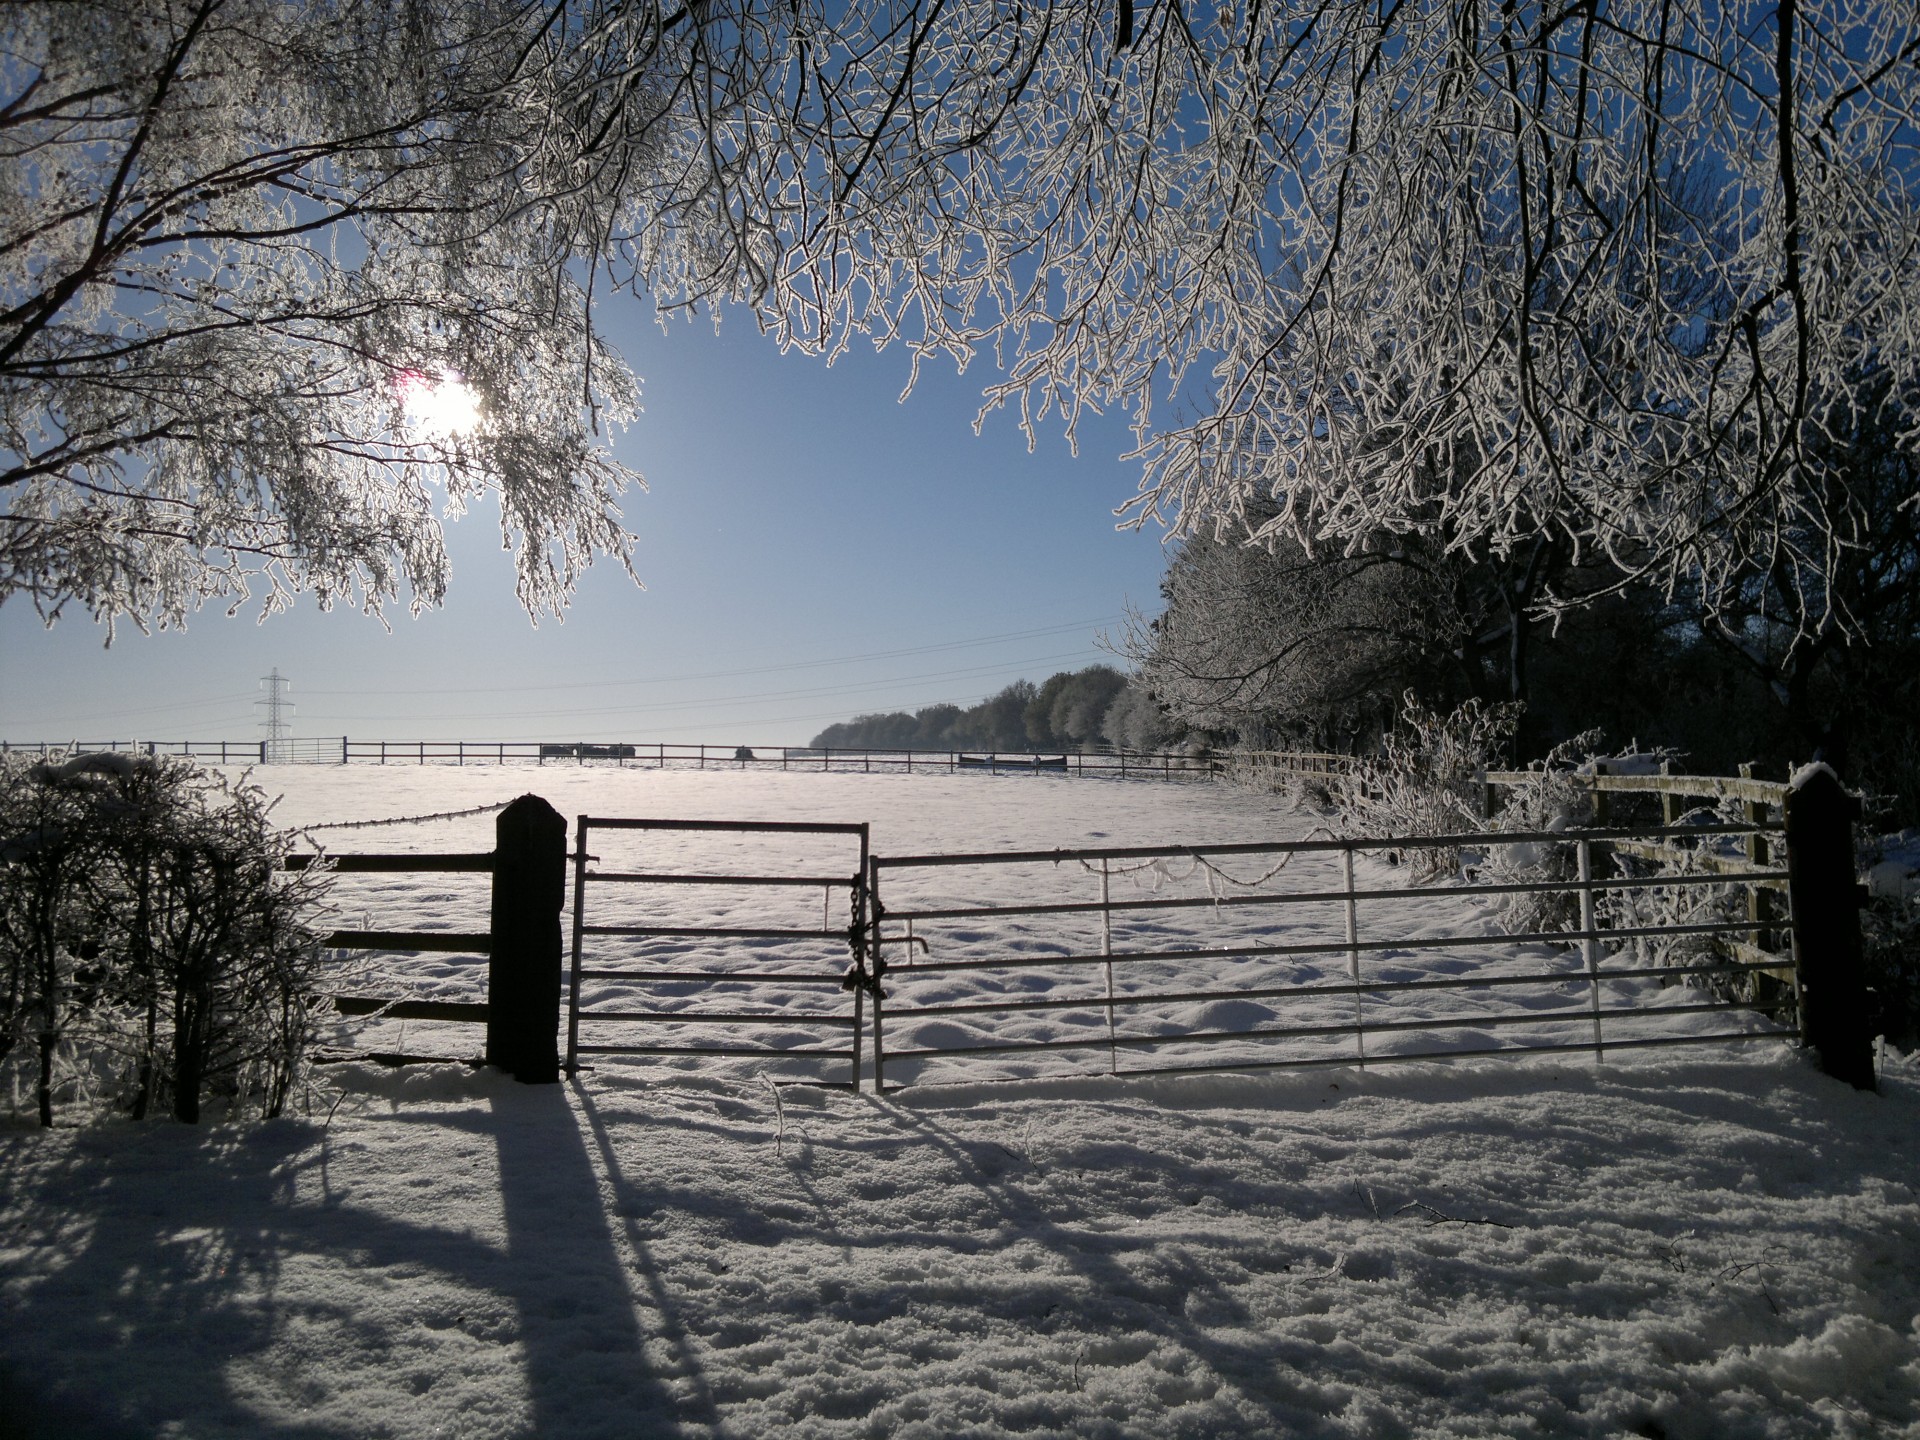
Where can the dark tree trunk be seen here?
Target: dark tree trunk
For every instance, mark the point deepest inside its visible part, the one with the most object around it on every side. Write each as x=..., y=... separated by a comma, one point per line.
x=45, y=1086
x=191, y=1025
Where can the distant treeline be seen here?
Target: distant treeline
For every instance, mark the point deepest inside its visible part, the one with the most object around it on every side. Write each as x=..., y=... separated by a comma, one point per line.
x=1092, y=709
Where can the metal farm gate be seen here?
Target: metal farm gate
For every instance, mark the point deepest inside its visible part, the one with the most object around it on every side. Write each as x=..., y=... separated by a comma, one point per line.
x=747, y=931
x=1181, y=959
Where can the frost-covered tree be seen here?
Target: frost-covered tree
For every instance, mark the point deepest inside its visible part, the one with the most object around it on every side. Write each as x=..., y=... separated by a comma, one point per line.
x=1599, y=271
x=1273, y=641
x=1069, y=708
x=282, y=286
x=1135, y=720
x=1604, y=269
x=1849, y=685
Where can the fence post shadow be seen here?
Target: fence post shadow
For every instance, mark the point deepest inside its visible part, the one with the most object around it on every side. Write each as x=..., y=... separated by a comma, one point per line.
x=580, y=1320
x=700, y=1403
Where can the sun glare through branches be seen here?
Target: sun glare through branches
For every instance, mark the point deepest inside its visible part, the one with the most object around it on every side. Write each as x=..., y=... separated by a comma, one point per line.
x=439, y=408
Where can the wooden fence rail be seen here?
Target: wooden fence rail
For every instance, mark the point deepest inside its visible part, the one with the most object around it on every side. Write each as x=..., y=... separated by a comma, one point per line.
x=522, y=942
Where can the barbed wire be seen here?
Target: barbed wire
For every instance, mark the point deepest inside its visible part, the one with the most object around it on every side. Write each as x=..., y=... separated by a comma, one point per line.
x=1198, y=862
x=404, y=819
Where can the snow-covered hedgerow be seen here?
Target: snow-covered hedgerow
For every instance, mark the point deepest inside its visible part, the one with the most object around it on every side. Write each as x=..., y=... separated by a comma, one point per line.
x=150, y=952
x=1430, y=780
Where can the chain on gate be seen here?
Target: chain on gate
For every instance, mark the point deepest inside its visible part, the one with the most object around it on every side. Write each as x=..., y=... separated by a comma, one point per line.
x=864, y=915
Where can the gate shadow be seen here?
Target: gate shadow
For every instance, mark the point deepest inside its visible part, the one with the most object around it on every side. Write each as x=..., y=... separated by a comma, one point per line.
x=174, y=1266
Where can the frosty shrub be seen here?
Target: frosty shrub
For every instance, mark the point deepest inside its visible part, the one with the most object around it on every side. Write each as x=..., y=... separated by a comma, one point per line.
x=1553, y=797
x=1677, y=906
x=1427, y=779
x=1274, y=772
x=152, y=953
x=1556, y=797
x=1890, y=935
x=1680, y=905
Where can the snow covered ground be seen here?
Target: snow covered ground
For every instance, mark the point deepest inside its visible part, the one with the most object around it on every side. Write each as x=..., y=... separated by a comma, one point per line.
x=1725, y=1247
x=1717, y=1245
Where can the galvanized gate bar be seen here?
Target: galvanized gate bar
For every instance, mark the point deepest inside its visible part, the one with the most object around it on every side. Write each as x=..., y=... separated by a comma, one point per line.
x=1485, y=1052
x=729, y=933
x=1301, y=992
x=1332, y=947
x=732, y=977
x=1306, y=1032
x=1536, y=887
x=617, y=877
x=714, y=1050
x=706, y=1017
x=789, y=827
x=1282, y=847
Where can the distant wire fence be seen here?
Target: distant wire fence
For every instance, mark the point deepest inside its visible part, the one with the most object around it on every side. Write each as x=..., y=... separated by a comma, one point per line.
x=343, y=750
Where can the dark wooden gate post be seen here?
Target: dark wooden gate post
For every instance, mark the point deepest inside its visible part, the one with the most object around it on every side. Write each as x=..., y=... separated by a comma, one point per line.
x=1826, y=926
x=523, y=970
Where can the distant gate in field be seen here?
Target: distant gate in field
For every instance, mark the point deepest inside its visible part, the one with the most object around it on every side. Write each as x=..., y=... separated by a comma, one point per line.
x=742, y=929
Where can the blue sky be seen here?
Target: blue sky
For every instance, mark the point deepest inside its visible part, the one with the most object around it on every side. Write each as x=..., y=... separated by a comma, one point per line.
x=811, y=549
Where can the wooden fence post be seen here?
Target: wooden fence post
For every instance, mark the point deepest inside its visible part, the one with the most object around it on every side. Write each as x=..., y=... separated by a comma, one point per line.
x=523, y=968
x=1826, y=926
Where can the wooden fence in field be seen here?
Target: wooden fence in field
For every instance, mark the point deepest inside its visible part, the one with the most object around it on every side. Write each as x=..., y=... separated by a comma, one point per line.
x=659, y=755
x=527, y=873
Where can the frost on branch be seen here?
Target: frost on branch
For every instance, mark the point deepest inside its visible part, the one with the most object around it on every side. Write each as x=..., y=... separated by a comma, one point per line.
x=1612, y=273
x=1607, y=272
x=237, y=232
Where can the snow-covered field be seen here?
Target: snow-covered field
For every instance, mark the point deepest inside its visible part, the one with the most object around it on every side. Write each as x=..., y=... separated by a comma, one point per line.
x=1705, y=1243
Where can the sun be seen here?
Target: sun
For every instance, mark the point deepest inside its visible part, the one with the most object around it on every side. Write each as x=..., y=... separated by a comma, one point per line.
x=438, y=408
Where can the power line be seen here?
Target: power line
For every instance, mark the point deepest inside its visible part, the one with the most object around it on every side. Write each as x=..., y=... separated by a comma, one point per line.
x=225, y=703
x=756, y=670
x=722, y=701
